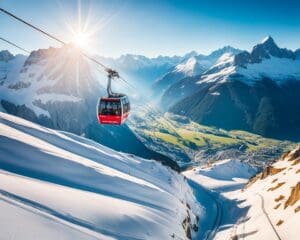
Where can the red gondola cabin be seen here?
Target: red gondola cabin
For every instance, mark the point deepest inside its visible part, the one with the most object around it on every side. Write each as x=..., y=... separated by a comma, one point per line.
x=113, y=110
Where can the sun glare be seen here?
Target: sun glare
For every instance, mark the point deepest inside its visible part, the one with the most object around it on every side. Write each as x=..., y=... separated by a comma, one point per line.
x=81, y=40
x=84, y=25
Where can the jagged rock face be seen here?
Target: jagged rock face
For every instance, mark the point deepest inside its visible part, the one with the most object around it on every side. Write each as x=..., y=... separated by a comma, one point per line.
x=25, y=112
x=242, y=58
x=70, y=76
x=294, y=196
x=38, y=56
x=6, y=56
x=70, y=116
x=264, y=50
x=292, y=155
x=297, y=53
x=10, y=66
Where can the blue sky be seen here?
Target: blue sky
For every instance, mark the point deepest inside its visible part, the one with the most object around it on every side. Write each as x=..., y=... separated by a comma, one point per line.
x=157, y=27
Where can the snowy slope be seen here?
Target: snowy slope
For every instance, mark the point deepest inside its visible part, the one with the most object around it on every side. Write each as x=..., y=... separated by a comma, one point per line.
x=61, y=186
x=10, y=67
x=190, y=67
x=226, y=173
x=277, y=69
x=212, y=183
x=268, y=196
x=266, y=208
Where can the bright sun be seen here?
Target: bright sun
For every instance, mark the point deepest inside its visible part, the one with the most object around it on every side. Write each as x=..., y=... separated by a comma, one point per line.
x=81, y=40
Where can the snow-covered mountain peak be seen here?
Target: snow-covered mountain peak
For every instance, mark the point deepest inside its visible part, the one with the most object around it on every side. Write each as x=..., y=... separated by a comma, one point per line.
x=190, y=54
x=6, y=56
x=133, y=58
x=48, y=75
x=38, y=55
x=60, y=54
x=226, y=49
x=269, y=48
x=221, y=70
x=266, y=60
x=267, y=38
x=225, y=58
x=264, y=50
x=190, y=67
x=62, y=70
x=195, y=65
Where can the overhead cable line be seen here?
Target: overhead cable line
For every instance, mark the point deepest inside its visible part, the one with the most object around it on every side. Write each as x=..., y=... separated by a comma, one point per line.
x=15, y=45
x=52, y=37
x=107, y=69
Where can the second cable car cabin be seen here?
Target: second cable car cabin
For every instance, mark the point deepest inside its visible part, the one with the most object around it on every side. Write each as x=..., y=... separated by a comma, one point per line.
x=113, y=109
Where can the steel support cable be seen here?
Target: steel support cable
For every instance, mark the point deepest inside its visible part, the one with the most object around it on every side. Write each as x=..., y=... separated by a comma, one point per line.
x=63, y=43
x=51, y=36
x=107, y=69
x=15, y=45
x=30, y=25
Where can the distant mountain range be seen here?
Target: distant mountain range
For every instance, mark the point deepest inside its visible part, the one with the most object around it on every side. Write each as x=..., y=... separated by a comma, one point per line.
x=171, y=87
x=195, y=65
x=142, y=70
x=256, y=91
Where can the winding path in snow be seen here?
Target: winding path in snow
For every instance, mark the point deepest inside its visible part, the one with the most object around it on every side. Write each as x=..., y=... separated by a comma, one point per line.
x=209, y=223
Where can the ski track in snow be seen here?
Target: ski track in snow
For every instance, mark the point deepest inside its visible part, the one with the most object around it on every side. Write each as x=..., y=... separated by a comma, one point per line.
x=267, y=215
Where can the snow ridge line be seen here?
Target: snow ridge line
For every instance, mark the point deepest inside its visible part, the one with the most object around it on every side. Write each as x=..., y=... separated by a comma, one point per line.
x=67, y=218
x=267, y=215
